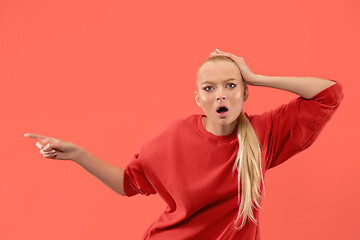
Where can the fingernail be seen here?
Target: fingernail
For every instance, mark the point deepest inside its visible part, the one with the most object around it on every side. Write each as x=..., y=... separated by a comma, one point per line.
x=46, y=147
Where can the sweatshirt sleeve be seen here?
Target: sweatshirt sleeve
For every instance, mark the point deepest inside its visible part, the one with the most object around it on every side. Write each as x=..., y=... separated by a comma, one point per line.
x=135, y=180
x=293, y=127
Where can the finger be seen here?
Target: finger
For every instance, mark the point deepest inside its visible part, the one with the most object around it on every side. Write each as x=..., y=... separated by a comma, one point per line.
x=49, y=155
x=39, y=145
x=42, y=151
x=44, y=143
x=221, y=54
x=53, y=145
x=35, y=136
x=218, y=51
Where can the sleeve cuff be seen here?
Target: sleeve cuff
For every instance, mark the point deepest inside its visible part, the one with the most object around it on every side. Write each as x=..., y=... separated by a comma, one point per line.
x=332, y=95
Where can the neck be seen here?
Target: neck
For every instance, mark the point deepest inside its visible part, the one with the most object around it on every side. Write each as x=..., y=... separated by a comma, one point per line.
x=219, y=129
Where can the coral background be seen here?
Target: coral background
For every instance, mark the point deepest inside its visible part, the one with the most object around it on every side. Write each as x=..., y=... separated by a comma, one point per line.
x=110, y=75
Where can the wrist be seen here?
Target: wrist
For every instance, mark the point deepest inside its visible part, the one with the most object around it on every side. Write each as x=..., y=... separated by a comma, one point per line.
x=78, y=154
x=258, y=80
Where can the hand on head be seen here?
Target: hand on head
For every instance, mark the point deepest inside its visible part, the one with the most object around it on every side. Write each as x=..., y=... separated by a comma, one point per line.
x=247, y=75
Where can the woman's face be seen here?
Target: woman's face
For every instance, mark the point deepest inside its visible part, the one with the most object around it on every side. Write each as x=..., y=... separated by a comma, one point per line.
x=220, y=84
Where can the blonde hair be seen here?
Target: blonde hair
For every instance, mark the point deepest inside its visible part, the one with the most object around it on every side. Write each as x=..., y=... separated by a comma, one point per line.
x=247, y=163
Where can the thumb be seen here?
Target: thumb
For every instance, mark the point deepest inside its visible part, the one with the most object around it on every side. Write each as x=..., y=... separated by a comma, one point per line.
x=42, y=144
x=52, y=145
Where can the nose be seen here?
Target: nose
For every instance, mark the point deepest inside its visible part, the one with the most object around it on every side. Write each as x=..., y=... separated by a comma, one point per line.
x=222, y=98
x=221, y=95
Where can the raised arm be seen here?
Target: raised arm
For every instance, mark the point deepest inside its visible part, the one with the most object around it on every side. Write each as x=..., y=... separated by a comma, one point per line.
x=111, y=175
x=306, y=87
x=292, y=127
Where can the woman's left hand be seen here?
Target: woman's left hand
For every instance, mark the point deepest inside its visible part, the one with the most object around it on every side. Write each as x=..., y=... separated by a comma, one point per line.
x=247, y=75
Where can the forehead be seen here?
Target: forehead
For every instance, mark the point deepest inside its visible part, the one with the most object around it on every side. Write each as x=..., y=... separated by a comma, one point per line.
x=218, y=71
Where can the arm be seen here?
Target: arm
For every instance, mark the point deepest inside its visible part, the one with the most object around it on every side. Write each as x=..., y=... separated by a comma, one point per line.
x=53, y=148
x=306, y=87
x=293, y=127
x=112, y=176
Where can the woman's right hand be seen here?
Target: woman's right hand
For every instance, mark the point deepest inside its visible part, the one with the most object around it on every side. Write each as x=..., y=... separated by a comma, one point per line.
x=55, y=148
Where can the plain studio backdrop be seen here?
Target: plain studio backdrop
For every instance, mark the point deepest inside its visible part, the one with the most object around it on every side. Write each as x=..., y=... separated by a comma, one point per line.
x=110, y=75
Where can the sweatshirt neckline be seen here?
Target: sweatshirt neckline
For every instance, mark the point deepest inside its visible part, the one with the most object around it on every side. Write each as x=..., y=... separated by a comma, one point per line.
x=207, y=135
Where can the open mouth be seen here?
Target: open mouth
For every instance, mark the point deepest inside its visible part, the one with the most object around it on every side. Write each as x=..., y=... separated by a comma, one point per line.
x=221, y=109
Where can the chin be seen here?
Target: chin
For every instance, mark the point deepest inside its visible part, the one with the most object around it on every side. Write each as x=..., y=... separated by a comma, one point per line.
x=230, y=118
x=226, y=120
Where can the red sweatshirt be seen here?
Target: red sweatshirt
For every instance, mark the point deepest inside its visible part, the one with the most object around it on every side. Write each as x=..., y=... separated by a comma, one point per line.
x=191, y=169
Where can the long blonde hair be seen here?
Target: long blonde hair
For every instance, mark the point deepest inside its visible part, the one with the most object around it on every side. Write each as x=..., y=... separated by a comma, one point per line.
x=247, y=163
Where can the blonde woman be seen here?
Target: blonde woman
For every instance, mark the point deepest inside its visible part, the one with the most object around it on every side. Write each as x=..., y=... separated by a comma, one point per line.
x=209, y=167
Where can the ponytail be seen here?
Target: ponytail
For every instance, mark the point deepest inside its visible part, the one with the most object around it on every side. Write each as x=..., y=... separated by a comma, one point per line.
x=248, y=166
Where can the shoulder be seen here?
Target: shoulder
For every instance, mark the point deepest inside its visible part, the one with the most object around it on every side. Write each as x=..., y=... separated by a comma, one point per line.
x=258, y=120
x=261, y=125
x=174, y=130
x=185, y=122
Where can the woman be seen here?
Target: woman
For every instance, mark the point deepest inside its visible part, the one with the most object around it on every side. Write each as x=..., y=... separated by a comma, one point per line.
x=209, y=168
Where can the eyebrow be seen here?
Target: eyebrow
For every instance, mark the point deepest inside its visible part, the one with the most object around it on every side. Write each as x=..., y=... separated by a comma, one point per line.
x=230, y=79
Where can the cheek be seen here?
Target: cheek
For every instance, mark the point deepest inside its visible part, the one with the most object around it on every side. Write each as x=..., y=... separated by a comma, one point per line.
x=237, y=95
x=240, y=94
x=237, y=100
x=206, y=101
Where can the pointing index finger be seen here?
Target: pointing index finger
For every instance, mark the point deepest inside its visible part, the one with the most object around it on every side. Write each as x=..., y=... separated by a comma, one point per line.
x=35, y=136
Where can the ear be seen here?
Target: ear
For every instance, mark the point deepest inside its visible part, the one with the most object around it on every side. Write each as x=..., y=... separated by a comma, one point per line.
x=197, y=100
x=246, y=93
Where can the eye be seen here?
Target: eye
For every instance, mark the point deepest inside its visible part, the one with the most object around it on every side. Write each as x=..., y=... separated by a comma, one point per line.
x=232, y=85
x=207, y=88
